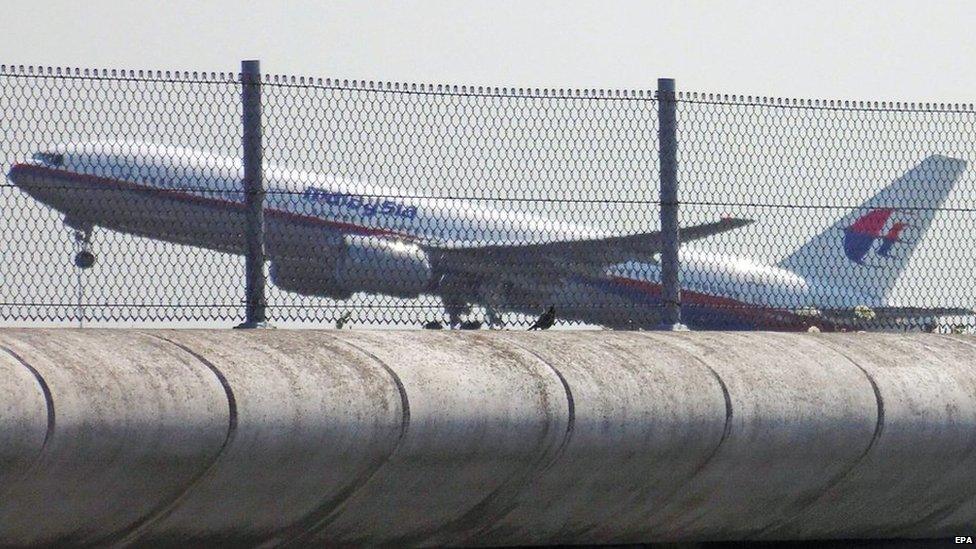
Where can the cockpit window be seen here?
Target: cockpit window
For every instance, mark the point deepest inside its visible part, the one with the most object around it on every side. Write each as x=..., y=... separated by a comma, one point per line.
x=49, y=158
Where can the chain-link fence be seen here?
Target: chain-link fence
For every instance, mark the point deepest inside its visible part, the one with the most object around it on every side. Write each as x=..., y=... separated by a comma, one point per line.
x=452, y=206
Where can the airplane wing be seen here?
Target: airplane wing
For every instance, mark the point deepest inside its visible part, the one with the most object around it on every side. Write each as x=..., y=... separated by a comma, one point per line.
x=572, y=255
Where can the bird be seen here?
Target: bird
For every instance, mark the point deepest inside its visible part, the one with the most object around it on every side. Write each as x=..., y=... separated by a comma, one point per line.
x=433, y=325
x=545, y=321
x=343, y=319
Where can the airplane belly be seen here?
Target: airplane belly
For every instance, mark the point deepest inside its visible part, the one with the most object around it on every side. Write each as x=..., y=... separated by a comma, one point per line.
x=584, y=301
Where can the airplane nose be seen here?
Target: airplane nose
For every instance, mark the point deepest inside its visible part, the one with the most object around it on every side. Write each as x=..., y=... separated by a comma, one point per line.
x=41, y=185
x=26, y=177
x=15, y=174
x=21, y=175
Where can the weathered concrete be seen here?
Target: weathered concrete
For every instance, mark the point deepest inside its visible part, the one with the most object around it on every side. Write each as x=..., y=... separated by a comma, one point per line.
x=446, y=438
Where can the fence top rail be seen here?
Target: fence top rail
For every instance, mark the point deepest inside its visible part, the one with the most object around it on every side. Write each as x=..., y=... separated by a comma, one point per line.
x=343, y=84
x=711, y=98
x=209, y=77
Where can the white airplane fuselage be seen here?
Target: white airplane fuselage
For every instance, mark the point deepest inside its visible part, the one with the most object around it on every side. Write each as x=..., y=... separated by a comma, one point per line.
x=188, y=197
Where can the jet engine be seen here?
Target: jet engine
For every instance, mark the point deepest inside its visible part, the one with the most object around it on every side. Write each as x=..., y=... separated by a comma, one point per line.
x=361, y=264
x=383, y=266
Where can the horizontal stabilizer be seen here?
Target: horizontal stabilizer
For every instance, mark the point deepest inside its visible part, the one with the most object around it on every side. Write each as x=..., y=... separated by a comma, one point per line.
x=881, y=314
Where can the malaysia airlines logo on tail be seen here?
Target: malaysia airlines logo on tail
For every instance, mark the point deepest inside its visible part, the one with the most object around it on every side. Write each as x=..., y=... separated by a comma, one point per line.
x=864, y=253
x=860, y=236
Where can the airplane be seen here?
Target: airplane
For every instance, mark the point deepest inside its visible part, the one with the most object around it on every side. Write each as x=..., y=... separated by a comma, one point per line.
x=331, y=236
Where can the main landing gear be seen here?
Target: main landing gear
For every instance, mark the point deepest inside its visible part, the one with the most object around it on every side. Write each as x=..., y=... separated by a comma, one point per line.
x=457, y=293
x=494, y=295
x=84, y=257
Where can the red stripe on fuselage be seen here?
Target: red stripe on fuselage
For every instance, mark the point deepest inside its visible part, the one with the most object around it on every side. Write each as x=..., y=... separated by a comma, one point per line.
x=687, y=296
x=190, y=197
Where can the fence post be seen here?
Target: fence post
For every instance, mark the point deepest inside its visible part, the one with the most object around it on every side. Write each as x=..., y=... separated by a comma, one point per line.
x=253, y=194
x=668, y=160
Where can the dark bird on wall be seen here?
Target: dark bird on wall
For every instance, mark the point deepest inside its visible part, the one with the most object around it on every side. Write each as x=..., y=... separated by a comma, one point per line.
x=343, y=320
x=545, y=321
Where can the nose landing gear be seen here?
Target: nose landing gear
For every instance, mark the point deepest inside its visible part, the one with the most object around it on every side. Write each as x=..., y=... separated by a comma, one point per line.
x=84, y=257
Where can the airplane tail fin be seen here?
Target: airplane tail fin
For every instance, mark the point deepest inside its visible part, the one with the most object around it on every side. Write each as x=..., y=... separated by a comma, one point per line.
x=864, y=253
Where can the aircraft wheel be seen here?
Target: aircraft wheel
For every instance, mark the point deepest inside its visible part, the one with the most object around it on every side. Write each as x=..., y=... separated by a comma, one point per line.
x=84, y=259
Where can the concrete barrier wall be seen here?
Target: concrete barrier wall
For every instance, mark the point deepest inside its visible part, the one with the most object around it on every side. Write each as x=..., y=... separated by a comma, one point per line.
x=482, y=438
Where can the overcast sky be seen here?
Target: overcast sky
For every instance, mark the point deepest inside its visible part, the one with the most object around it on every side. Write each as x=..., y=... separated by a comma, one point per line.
x=888, y=49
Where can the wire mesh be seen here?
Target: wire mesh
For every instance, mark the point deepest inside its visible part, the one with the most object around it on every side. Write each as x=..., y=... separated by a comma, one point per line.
x=458, y=206
x=861, y=211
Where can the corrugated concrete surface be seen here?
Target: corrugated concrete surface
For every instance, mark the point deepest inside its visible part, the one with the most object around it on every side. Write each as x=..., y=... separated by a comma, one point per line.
x=483, y=438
